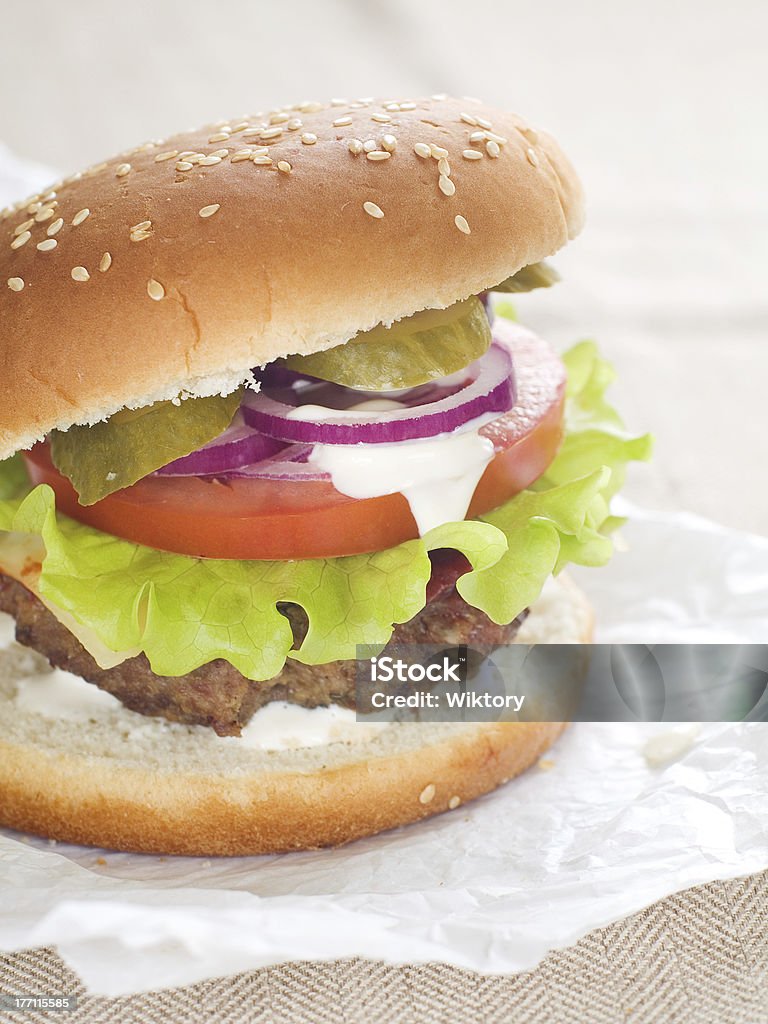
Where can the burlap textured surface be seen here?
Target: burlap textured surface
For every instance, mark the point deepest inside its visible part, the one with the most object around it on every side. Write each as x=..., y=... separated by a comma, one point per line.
x=700, y=957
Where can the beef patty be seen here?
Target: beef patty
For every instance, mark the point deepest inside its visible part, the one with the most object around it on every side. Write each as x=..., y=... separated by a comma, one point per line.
x=219, y=696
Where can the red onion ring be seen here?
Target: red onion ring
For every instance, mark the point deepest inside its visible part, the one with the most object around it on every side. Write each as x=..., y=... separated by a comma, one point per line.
x=291, y=465
x=490, y=389
x=239, y=445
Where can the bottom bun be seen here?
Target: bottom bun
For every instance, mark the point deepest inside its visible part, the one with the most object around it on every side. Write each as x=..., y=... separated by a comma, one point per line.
x=127, y=782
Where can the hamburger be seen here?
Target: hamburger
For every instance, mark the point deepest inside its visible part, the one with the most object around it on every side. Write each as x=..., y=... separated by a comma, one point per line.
x=257, y=412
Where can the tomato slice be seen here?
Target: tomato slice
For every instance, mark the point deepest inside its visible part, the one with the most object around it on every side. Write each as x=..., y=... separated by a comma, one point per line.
x=266, y=519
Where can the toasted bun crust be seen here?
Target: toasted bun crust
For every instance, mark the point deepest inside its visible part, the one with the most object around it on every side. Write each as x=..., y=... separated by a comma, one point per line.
x=289, y=262
x=132, y=783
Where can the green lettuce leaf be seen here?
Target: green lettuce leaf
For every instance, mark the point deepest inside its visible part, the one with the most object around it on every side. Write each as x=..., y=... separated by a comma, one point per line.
x=185, y=612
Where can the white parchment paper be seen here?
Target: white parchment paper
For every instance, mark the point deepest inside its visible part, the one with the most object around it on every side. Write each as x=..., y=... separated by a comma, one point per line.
x=595, y=836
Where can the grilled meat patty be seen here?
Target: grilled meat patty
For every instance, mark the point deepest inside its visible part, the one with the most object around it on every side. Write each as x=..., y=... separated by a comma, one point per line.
x=219, y=696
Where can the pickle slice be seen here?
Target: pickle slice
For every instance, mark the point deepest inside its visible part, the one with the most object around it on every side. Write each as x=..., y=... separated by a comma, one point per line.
x=536, y=275
x=109, y=456
x=416, y=350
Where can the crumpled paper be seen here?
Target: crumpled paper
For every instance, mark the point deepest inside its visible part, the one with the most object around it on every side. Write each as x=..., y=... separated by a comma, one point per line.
x=592, y=835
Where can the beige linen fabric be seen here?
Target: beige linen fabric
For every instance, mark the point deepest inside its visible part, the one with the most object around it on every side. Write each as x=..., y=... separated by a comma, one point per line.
x=700, y=957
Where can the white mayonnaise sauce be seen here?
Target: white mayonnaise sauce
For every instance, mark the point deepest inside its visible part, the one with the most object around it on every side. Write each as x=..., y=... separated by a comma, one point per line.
x=7, y=630
x=60, y=695
x=282, y=726
x=436, y=475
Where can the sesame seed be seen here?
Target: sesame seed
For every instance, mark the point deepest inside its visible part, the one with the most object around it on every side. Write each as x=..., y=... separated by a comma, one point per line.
x=184, y=165
x=49, y=196
x=33, y=207
x=392, y=106
x=271, y=133
x=106, y=262
x=493, y=149
x=381, y=118
x=221, y=153
x=427, y=794
x=532, y=158
x=438, y=152
x=260, y=159
x=422, y=149
x=309, y=107
x=496, y=138
x=80, y=274
x=78, y=219
x=243, y=155
x=439, y=96
x=21, y=239
x=309, y=138
x=389, y=142
x=447, y=187
x=373, y=210
x=210, y=161
x=468, y=119
x=169, y=154
x=47, y=244
x=143, y=226
x=294, y=124
x=477, y=136
x=378, y=154
x=16, y=284
x=208, y=211
x=531, y=134
x=339, y=102
x=219, y=137
x=55, y=228
x=461, y=224
x=279, y=118
x=454, y=802
x=484, y=123
x=24, y=227
x=355, y=146
x=121, y=170
x=284, y=166
x=43, y=215
x=155, y=290
x=472, y=154
x=341, y=122
x=408, y=106
x=443, y=166
x=370, y=145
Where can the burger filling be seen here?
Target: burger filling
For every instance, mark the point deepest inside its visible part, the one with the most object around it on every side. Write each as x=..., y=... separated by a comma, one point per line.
x=199, y=559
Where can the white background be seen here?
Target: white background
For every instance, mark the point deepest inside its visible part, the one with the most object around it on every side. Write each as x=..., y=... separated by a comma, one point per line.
x=661, y=105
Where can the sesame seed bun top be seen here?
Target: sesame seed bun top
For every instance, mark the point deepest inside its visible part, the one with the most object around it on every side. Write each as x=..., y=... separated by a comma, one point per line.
x=178, y=266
